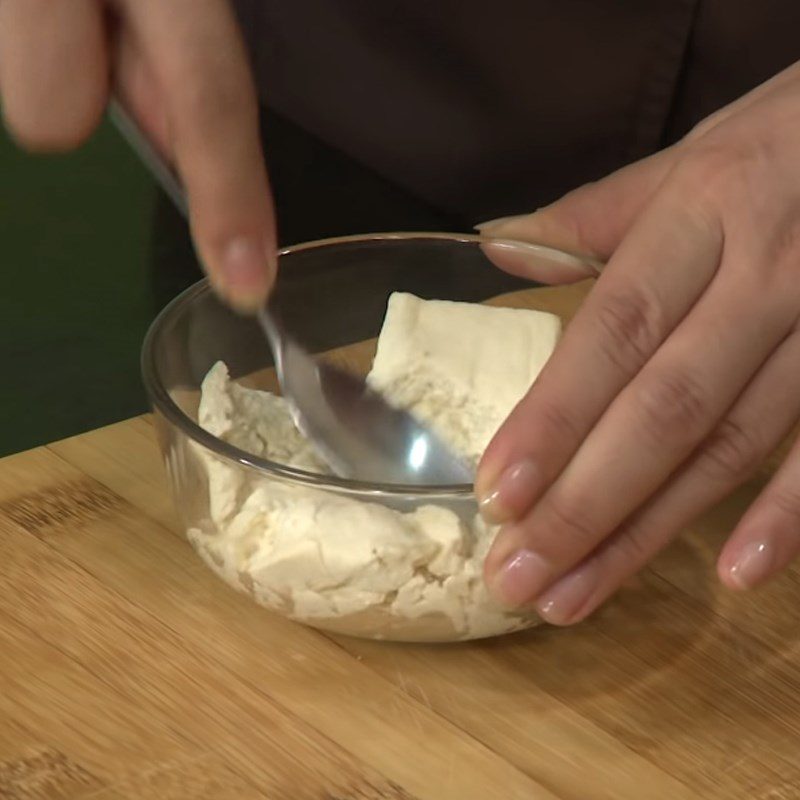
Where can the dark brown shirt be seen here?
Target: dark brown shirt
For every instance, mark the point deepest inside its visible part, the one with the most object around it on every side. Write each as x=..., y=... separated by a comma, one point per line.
x=491, y=108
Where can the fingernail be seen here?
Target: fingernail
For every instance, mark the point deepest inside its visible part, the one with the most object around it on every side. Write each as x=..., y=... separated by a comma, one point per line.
x=754, y=565
x=512, y=494
x=246, y=274
x=562, y=602
x=520, y=579
x=483, y=227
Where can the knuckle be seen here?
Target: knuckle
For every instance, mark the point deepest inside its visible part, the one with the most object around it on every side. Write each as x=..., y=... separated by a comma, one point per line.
x=41, y=137
x=572, y=520
x=672, y=408
x=630, y=325
x=786, y=498
x=705, y=126
x=633, y=545
x=49, y=124
x=560, y=423
x=219, y=111
x=731, y=452
x=784, y=247
x=721, y=179
x=721, y=169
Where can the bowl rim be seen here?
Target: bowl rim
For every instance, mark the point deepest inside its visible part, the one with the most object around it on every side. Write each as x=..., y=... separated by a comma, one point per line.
x=162, y=403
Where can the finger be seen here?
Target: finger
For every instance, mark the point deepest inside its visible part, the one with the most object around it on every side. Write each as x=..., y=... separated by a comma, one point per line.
x=140, y=93
x=53, y=71
x=647, y=432
x=756, y=425
x=767, y=539
x=657, y=274
x=197, y=56
x=591, y=220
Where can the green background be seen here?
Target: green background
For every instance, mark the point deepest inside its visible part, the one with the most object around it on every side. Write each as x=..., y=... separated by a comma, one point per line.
x=76, y=301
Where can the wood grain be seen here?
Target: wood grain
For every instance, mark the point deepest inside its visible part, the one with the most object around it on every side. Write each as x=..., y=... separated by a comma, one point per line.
x=127, y=670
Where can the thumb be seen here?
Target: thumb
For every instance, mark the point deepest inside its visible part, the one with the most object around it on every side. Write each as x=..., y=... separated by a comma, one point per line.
x=589, y=221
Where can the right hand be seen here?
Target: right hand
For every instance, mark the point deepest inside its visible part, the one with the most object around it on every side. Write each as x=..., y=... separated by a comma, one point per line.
x=180, y=66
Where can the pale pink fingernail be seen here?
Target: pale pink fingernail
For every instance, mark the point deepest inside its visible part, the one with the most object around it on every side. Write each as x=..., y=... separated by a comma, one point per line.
x=562, y=602
x=246, y=273
x=754, y=565
x=520, y=579
x=512, y=494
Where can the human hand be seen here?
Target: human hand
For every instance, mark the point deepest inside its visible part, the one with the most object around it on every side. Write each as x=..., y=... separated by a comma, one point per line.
x=181, y=67
x=677, y=377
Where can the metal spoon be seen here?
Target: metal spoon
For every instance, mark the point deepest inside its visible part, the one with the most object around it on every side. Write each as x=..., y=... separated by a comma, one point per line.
x=352, y=426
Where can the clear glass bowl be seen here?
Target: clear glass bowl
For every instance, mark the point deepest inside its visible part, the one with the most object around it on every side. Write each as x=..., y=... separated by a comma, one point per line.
x=331, y=294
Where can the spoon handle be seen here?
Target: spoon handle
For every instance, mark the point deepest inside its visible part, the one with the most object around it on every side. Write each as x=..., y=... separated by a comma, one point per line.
x=144, y=148
x=276, y=336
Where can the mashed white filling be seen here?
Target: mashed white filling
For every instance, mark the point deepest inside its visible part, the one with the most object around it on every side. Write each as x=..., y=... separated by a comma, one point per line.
x=360, y=567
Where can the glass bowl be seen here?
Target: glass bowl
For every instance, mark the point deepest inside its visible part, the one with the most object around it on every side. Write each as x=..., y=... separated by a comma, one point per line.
x=332, y=294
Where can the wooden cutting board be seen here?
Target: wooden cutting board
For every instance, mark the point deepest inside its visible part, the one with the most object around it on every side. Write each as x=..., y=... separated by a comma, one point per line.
x=127, y=670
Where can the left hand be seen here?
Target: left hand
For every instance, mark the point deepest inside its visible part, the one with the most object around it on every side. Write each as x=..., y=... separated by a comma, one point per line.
x=677, y=377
